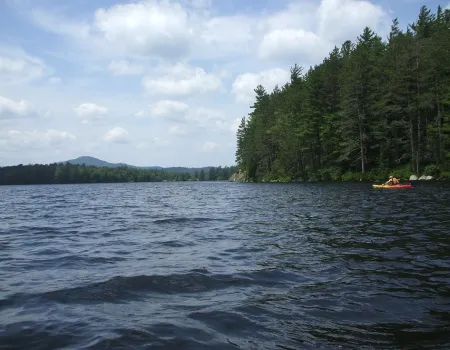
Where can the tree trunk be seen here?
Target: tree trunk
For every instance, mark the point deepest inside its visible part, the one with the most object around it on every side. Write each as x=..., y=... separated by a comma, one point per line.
x=439, y=118
x=361, y=141
x=418, y=111
x=411, y=134
x=361, y=144
x=319, y=149
x=313, y=156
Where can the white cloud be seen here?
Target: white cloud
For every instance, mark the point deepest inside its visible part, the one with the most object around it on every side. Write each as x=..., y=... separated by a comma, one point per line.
x=164, y=108
x=8, y=65
x=203, y=113
x=181, y=113
x=208, y=118
x=160, y=29
x=341, y=20
x=125, y=67
x=297, y=14
x=17, y=67
x=244, y=84
x=308, y=32
x=151, y=143
x=448, y=6
x=117, y=135
x=14, y=109
x=171, y=30
x=58, y=24
x=291, y=44
x=229, y=35
x=182, y=80
x=205, y=5
x=89, y=112
x=189, y=121
x=210, y=146
x=177, y=129
x=141, y=29
x=147, y=28
x=186, y=62
x=15, y=140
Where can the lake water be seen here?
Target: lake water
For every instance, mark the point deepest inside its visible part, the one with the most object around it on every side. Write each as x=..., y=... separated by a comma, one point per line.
x=224, y=266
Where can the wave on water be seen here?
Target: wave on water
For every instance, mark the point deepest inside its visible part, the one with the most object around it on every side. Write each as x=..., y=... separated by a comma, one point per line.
x=183, y=220
x=224, y=266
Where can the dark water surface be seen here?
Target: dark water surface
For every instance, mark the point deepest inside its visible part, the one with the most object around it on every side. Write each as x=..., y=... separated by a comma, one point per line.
x=224, y=266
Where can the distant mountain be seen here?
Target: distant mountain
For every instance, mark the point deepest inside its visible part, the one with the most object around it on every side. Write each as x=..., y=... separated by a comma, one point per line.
x=92, y=161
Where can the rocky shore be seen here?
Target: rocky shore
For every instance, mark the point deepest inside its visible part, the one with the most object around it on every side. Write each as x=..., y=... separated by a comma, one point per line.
x=240, y=176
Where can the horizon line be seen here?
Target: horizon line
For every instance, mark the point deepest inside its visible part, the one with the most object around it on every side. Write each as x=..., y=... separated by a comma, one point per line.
x=123, y=163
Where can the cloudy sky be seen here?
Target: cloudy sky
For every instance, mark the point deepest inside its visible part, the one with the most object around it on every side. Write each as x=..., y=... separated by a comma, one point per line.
x=158, y=82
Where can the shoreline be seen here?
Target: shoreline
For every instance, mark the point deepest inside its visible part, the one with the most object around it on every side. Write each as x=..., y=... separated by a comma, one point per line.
x=349, y=177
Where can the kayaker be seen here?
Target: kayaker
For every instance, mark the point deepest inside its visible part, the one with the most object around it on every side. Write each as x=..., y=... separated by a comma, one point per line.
x=392, y=181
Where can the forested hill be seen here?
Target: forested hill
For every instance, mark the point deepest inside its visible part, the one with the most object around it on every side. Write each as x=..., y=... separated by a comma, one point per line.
x=372, y=106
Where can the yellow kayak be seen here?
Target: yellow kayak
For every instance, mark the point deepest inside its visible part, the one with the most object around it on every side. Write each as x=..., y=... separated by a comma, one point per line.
x=393, y=186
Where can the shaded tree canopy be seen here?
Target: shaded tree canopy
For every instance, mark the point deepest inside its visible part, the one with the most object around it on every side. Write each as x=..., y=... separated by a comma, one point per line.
x=371, y=107
x=68, y=173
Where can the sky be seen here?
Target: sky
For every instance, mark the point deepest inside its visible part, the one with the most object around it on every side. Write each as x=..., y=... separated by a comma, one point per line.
x=159, y=82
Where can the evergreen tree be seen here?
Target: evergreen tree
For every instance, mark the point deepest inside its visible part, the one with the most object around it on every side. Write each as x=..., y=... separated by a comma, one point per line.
x=369, y=108
x=69, y=173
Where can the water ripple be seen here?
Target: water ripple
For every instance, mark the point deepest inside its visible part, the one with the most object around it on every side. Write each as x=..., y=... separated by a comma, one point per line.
x=224, y=266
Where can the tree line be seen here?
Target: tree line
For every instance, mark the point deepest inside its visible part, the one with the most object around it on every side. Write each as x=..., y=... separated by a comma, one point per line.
x=71, y=174
x=372, y=107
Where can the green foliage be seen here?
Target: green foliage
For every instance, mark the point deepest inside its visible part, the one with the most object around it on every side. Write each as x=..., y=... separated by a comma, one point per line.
x=445, y=175
x=329, y=174
x=432, y=170
x=277, y=175
x=402, y=172
x=70, y=174
x=371, y=108
x=351, y=176
x=380, y=174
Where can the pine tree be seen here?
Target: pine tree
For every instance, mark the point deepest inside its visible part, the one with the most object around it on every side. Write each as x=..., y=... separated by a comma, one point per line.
x=370, y=107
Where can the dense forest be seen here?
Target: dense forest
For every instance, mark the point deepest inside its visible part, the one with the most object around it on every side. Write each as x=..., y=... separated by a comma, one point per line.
x=371, y=108
x=69, y=174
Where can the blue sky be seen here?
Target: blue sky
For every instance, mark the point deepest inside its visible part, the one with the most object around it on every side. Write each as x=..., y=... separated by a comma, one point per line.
x=158, y=82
